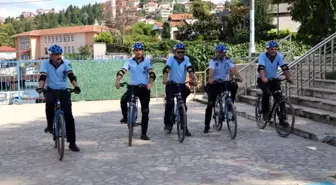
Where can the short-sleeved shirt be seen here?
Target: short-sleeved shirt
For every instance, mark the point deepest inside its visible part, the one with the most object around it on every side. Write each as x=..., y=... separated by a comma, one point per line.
x=271, y=67
x=178, y=70
x=56, y=76
x=139, y=71
x=221, y=68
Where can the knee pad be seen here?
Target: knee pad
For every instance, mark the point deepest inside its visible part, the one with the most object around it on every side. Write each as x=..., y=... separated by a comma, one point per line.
x=234, y=85
x=210, y=105
x=145, y=111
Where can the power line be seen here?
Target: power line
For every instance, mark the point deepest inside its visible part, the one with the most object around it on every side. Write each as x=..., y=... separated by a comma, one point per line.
x=22, y=2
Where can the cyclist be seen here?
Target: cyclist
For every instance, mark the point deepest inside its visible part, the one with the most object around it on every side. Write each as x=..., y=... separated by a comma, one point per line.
x=177, y=67
x=267, y=69
x=219, y=69
x=53, y=75
x=140, y=69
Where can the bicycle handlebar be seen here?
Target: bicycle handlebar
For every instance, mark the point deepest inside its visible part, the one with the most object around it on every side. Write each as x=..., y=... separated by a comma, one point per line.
x=127, y=84
x=280, y=80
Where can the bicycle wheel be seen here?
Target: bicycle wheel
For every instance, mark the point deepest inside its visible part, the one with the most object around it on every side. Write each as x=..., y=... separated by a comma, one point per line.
x=60, y=138
x=181, y=123
x=130, y=125
x=218, y=115
x=258, y=114
x=284, y=131
x=231, y=117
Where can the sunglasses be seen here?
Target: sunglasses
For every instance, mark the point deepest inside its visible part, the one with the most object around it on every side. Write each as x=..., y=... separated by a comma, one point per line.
x=180, y=52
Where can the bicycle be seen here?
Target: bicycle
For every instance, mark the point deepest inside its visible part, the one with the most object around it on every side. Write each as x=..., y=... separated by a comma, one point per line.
x=274, y=111
x=132, y=111
x=59, y=128
x=224, y=113
x=179, y=113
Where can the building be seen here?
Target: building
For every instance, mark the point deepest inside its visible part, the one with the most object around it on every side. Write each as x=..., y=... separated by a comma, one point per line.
x=35, y=44
x=7, y=53
x=165, y=10
x=2, y=20
x=150, y=7
x=181, y=18
x=285, y=19
x=27, y=14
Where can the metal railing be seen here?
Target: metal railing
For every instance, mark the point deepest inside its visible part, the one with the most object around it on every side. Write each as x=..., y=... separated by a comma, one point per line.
x=313, y=65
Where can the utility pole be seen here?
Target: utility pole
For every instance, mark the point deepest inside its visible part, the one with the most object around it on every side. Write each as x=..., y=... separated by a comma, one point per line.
x=278, y=19
x=252, y=46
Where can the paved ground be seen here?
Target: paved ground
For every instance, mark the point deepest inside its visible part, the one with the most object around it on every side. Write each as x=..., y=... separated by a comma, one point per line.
x=254, y=157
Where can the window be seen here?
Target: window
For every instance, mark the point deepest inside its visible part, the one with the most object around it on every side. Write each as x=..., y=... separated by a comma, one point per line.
x=64, y=38
x=68, y=36
x=49, y=39
x=73, y=49
x=56, y=38
x=53, y=39
x=65, y=50
x=72, y=38
x=69, y=49
x=45, y=39
x=60, y=38
x=24, y=42
x=46, y=51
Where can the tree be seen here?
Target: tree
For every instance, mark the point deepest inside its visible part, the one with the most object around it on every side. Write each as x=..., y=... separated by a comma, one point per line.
x=84, y=50
x=317, y=18
x=6, y=30
x=179, y=8
x=166, y=30
x=104, y=37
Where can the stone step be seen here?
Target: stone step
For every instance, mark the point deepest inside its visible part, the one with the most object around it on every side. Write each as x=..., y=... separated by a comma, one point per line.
x=329, y=94
x=318, y=103
x=326, y=117
x=303, y=127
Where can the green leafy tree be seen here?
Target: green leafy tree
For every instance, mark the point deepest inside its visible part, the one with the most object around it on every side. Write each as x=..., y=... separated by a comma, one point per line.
x=5, y=31
x=166, y=30
x=104, y=37
x=84, y=50
x=179, y=8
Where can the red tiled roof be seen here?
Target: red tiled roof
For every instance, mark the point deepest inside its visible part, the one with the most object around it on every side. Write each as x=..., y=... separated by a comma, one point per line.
x=64, y=30
x=180, y=17
x=7, y=49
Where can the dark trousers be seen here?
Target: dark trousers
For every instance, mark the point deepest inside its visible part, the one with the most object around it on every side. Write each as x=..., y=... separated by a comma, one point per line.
x=213, y=90
x=267, y=88
x=144, y=96
x=171, y=90
x=65, y=99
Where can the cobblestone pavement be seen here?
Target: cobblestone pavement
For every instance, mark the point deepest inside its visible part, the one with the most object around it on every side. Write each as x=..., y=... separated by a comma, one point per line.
x=256, y=156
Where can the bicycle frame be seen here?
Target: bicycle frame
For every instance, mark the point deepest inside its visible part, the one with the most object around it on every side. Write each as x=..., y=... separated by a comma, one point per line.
x=132, y=103
x=58, y=110
x=179, y=100
x=226, y=94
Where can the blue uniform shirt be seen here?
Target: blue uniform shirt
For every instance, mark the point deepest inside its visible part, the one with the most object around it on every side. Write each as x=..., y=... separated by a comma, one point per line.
x=139, y=71
x=271, y=68
x=178, y=71
x=221, y=68
x=56, y=76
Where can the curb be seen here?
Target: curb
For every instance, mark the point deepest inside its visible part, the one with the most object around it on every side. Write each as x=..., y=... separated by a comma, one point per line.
x=296, y=131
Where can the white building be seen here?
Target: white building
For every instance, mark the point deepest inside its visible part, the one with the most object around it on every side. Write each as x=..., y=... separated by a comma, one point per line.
x=7, y=53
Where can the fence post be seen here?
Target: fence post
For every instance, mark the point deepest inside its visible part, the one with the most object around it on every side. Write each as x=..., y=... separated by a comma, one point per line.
x=19, y=79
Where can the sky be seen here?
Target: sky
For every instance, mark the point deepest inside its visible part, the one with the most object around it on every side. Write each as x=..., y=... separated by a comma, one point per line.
x=15, y=9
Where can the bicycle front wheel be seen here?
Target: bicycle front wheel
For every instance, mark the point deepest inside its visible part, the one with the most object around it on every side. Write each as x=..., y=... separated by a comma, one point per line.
x=131, y=124
x=287, y=125
x=218, y=115
x=60, y=138
x=231, y=119
x=258, y=114
x=181, y=123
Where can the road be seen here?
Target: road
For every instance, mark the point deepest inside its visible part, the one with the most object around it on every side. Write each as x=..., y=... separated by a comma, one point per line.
x=255, y=157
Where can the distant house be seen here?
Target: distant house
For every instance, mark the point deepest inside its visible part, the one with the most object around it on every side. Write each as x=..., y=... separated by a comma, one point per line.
x=285, y=19
x=35, y=44
x=151, y=7
x=7, y=53
x=165, y=10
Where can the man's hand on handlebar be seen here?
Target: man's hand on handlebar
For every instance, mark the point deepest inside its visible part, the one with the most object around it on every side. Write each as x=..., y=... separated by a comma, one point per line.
x=77, y=90
x=117, y=84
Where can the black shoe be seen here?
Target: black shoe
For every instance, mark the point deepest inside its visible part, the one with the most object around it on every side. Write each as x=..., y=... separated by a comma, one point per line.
x=265, y=116
x=73, y=147
x=144, y=137
x=167, y=128
x=48, y=130
x=206, y=129
x=284, y=123
x=188, y=133
x=123, y=121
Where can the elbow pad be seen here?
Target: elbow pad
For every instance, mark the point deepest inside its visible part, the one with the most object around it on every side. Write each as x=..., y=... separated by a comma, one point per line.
x=261, y=67
x=43, y=78
x=120, y=73
x=190, y=69
x=72, y=77
x=285, y=67
x=166, y=69
x=152, y=75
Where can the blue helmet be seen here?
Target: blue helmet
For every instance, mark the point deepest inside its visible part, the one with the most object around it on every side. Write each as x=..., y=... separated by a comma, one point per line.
x=179, y=46
x=55, y=49
x=138, y=45
x=271, y=44
x=221, y=48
